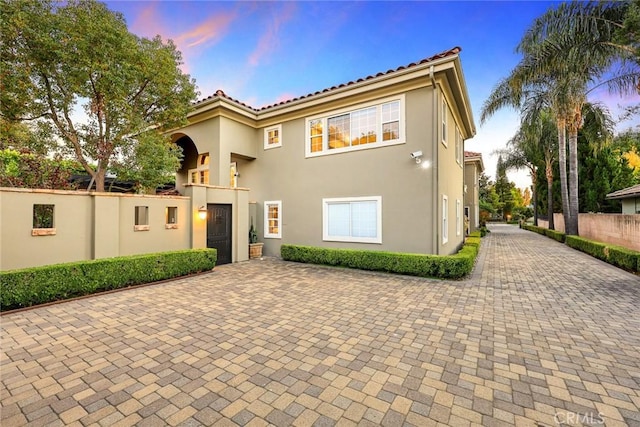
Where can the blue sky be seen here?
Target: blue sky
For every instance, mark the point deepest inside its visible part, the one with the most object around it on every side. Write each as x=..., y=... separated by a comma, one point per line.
x=265, y=52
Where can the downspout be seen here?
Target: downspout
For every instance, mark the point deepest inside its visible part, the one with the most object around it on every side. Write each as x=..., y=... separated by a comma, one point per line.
x=434, y=165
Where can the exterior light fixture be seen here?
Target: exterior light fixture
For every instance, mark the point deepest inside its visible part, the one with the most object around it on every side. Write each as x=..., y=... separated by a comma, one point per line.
x=202, y=212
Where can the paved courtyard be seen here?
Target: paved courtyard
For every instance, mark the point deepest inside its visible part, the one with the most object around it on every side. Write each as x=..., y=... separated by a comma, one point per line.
x=539, y=335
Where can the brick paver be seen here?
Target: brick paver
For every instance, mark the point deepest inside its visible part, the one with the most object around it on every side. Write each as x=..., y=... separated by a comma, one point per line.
x=539, y=335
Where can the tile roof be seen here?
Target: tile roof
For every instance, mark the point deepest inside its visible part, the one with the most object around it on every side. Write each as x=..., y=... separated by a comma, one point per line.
x=220, y=94
x=472, y=154
x=625, y=193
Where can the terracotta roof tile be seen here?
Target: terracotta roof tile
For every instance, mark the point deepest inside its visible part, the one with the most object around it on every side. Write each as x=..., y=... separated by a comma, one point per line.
x=472, y=154
x=220, y=94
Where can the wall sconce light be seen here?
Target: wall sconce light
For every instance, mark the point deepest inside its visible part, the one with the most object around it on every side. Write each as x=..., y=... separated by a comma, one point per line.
x=417, y=156
x=202, y=212
x=465, y=188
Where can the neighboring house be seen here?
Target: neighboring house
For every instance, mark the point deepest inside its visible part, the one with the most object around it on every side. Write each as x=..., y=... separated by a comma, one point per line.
x=473, y=168
x=375, y=163
x=630, y=199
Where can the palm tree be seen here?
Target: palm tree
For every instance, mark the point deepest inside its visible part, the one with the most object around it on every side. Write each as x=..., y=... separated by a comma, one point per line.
x=535, y=144
x=567, y=51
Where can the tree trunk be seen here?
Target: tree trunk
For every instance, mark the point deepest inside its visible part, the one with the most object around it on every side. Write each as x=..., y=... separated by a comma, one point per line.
x=99, y=178
x=549, y=173
x=562, y=160
x=572, y=226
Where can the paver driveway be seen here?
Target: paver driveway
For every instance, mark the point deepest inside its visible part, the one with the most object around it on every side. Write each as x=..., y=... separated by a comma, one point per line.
x=539, y=335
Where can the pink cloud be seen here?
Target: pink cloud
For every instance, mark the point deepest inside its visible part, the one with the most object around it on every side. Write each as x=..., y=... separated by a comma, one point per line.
x=270, y=38
x=207, y=32
x=149, y=23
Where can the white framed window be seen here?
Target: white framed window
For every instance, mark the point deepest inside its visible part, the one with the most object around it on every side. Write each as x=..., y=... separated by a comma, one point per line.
x=445, y=219
x=273, y=137
x=445, y=113
x=141, y=220
x=273, y=219
x=352, y=219
x=458, y=217
x=459, y=147
x=200, y=175
x=370, y=125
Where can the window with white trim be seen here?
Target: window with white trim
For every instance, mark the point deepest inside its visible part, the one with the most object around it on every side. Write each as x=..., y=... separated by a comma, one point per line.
x=445, y=219
x=375, y=124
x=200, y=175
x=459, y=147
x=273, y=137
x=445, y=111
x=352, y=219
x=273, y=219
x=458, y=217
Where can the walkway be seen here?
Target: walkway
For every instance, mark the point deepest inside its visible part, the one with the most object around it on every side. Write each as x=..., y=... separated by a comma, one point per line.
x=541, y=334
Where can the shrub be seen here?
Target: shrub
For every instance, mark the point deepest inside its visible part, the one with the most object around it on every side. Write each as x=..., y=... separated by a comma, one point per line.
x=444, y=267
x=556, y=235
x=624, y=258
x=595, y=249
x=38, y=285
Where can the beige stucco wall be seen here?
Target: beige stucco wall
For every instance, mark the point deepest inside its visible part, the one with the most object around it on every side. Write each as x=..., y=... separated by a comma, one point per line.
x=284, y=174
x=450, y=183
x=87, y=226
x=616, y=229
x=472, y=196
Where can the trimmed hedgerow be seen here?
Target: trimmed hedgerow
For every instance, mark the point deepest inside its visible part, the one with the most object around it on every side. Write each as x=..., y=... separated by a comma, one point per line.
x=593, y=248
x=440, y=266
x=39, y=285
x=624, y=258
x=556, y=235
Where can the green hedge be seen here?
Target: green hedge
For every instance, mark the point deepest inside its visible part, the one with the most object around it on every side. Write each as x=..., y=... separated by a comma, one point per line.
x=39, y=285
x=616, y=255
x=444, y=267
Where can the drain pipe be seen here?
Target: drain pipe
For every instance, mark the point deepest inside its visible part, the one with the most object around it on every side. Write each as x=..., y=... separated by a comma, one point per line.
x=434, y=165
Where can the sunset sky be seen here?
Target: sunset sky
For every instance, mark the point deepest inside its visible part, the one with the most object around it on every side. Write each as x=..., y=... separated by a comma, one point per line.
x=265, y=52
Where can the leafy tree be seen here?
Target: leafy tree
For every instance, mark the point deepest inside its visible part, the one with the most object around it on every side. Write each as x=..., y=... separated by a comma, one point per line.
x=24, y=169
x=148, y=163
x=503, y=188
x=566, y=53
x=79, y=57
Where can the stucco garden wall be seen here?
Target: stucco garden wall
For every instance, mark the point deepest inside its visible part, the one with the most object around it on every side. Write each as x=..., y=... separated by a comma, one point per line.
x=88, y=226
x=616, y=229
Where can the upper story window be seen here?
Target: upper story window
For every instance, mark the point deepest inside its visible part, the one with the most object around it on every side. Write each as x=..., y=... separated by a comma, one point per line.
x=459, y=147
x=445, y=113
x=273, y=137
x=200, y=175
x=373, y=125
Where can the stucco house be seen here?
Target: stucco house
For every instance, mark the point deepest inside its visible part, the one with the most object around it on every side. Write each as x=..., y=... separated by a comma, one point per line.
x=473, y=168
x=376, y=163
x=630, y=199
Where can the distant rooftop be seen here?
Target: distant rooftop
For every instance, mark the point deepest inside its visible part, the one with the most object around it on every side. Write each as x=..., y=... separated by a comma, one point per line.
x=625, y=193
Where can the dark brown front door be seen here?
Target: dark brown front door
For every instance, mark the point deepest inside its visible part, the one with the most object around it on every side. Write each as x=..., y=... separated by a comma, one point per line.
x=219, y=231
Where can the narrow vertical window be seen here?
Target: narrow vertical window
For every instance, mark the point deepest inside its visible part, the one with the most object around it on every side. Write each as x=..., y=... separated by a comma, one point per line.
x=273, y=219
x=171, y=217
x=43, y=220
x=141, y=221
x=458, y=218
x=445, y=219
x=445, y=111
